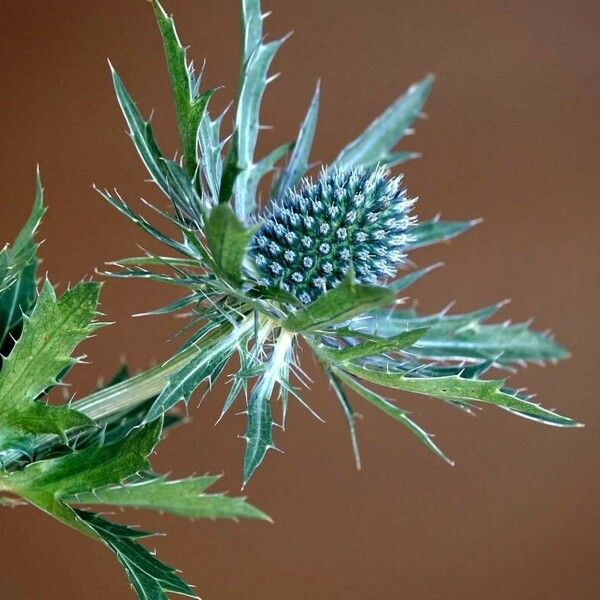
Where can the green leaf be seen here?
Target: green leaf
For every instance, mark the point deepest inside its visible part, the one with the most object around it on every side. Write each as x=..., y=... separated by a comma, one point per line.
x=386, y=323
x=83, y=471
x=182, y=497
x=259, y=434
x=216, y=348
x=227, y=240
x=190, y=105
x=49, y=484
x=427, y=233
x=259, y=418
x=504, y=344
x=141, y=134
x=117, y=202
x=150, y=578
x=404, y=282
x=256, y=60
x=373, y=346
x=338, y=304
x=266, y=165
x=466, y=337
x=393, y=411
x=18, y=288
x=298, y=164
x=184, y=197
x=211, y=161
x=458, y=388
x=375, y=144
x=230, y=171
x=39, y=357
x=348, y=413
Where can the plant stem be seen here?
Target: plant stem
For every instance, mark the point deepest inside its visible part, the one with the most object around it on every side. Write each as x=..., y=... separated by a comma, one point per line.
x=116, y=398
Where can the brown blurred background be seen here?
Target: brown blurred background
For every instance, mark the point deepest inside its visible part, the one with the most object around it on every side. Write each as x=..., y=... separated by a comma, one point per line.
x=512, y=137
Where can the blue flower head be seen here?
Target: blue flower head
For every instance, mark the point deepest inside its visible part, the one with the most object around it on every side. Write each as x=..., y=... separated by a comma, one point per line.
x=310, y=238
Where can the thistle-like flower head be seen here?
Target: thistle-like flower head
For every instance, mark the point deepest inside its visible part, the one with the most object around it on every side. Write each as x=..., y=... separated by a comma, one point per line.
x=310, y=238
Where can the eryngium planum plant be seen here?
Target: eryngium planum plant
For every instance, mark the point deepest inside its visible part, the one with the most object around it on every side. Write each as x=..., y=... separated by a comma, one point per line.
x=320, y=263
x=317, y=262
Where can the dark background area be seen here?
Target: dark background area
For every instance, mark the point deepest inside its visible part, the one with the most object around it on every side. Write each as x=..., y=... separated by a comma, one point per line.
x=512, y=137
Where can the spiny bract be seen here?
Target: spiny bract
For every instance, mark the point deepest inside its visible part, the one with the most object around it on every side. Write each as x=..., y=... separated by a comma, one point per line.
x=309, y=239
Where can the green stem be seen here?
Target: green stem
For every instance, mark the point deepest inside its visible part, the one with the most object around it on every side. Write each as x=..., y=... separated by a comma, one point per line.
x=116, y=398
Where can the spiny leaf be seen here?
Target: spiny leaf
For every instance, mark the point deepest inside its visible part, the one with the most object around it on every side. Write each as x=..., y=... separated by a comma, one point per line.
x=466, y=337
x=216, y=348
x=211, y=161
x=427, y=233
x=375, y=144
x=150, y=578
x=18, y=289
x=189, y=103
x=259, y=418
x=227, y=240
x=182, y=497
x=88, y=469
x=256, y=60
x=49, y=484
x=39, y=357
x=141, y=134
x=259, y=435
x=298, y=164
x=374, y=346
x=348, y=412
x=393, y=411
x=230, y=171
x=404, y=282
x=456, y=387
x=338, y=304
x=504, y=344
x=386, y=323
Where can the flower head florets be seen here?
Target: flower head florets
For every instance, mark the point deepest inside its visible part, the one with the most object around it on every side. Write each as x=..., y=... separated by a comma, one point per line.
x=310, y=238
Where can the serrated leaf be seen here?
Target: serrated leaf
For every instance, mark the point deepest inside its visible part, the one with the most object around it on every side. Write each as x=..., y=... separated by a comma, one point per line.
x=190, y=105
x=18, y=287
x=298, y=163
x=393, y=411
x=338, y=304
x=182, y=497
x=230, y=171
x=386, y=323
x=83, y=471
x=150, y=578
x=502, y=343
x=184, y=197
x=141, y=134
x=459, y=388
x=373, y=346
x=227, y=240
x=348, y=413
x=256, y=60
x=466, y=337
x=259, y=420
x=217, y=347
x=375, y=144
x=211, y=161
x=399, y=285
x=427, y=233
x=39, y=357
x=23, y=251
